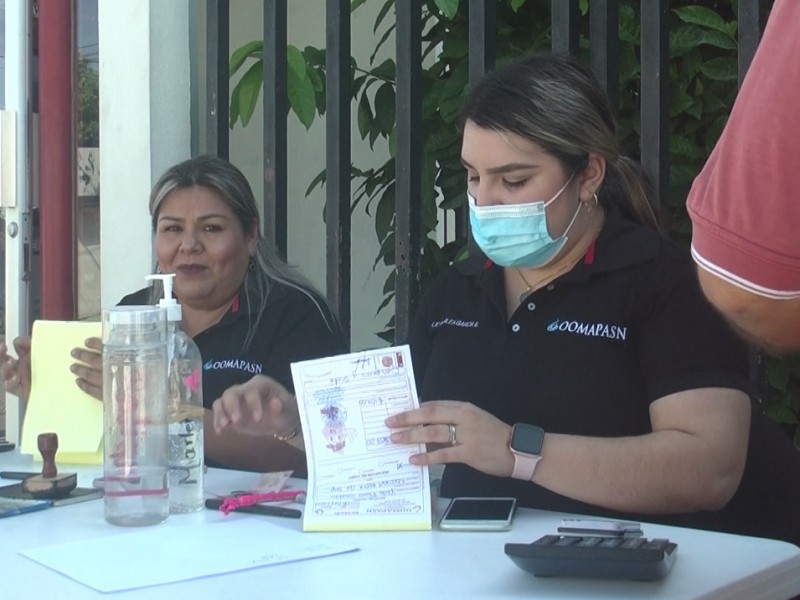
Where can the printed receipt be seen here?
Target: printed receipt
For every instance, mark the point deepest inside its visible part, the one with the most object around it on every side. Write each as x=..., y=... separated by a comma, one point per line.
x=358, y=480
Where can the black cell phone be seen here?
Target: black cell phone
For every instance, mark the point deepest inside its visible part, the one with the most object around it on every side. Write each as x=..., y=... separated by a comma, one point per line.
x=479, y=514
x=6, y=446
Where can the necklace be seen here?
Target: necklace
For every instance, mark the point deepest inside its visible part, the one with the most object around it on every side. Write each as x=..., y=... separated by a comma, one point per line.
x=532, y=287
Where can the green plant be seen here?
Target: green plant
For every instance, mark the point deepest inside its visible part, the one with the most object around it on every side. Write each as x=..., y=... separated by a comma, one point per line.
x=703, y=75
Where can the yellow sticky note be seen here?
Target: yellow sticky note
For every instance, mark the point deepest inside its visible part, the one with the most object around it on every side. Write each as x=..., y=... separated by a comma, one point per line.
x=56, y=403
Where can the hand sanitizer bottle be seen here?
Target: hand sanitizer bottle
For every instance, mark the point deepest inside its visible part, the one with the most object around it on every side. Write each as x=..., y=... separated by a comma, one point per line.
x=185, y=409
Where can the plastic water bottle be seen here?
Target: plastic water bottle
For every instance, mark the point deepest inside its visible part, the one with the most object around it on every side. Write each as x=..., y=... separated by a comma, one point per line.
x=186, y=462
x=136, y=457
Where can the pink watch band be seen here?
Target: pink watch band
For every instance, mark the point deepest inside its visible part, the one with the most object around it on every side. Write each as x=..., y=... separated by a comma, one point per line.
x=524, y=466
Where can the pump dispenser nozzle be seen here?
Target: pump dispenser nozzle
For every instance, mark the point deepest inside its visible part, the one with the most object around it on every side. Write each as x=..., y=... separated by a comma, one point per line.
x=168, y=302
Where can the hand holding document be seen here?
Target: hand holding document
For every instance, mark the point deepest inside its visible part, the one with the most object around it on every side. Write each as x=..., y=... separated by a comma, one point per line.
x=357, y=478
x=56, y=403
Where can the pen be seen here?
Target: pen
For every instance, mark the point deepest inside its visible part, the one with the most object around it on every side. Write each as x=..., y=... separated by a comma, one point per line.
x=259, y=509
x=18, y=475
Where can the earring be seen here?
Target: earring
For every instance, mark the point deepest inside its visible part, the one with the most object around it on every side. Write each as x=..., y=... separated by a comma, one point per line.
x=252, y=265
x=158, y=268
x=592, y=207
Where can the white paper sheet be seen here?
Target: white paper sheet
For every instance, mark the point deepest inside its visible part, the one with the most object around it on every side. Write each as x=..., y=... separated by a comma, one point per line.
x=357, y=478
x=210, y=549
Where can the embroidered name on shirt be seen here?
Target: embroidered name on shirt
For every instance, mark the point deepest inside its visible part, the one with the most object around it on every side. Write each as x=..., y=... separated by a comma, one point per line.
x=614, y=332
x=233, y=363
x=454, y=323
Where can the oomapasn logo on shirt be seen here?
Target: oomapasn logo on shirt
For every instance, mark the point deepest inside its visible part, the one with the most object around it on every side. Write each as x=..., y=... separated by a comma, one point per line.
x=237, y=364
x=604, y=330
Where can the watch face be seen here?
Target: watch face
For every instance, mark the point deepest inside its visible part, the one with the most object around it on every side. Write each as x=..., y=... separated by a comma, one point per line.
x=527, y=439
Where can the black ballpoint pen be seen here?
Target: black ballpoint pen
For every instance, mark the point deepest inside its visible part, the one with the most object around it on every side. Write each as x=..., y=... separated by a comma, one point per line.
x=18, y=475
x=259, y=509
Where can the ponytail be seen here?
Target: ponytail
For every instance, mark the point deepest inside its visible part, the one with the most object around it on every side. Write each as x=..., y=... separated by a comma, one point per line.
x=626, y=184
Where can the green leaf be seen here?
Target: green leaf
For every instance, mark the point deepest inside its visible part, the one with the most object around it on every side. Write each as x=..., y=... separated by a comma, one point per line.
x=782, y=414
x=253, y=49
x=680, y=101
x=364, y=117
x=449, y=8
x=384, y=214
x=385, y=108
x=685, y=39
x=719, y=40
x=777, y=374
x=249, y=89
x=700, y=15
x=300, y=90
x=456, y=201
x=516, y=4
x=319, y=180
x=393, y=142
x=233, y=115
x=457, y=82
x=314, y=56
x=385, y=70
x=455, y=47
x=388, y=285
x=720, y=69
x=354, y=4
x=296, y=62
x=384, y=10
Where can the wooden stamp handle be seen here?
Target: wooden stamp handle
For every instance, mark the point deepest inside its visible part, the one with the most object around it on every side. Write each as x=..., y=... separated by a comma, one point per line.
x=48, y=445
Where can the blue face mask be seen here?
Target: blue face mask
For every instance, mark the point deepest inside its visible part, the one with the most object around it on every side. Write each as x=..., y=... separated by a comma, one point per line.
x=515, y=235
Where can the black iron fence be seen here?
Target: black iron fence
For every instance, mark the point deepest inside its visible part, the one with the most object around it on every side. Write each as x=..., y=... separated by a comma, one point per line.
x=604, y=35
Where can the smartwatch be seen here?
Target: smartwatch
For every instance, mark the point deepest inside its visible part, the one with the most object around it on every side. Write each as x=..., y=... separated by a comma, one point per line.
x=526, y=447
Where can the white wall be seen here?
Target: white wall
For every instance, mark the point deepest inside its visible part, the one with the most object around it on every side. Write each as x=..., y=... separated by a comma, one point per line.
x=306, y=229
x=144, y=127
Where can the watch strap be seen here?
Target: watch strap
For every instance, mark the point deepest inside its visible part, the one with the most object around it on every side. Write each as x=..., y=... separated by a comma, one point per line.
x=524, y=466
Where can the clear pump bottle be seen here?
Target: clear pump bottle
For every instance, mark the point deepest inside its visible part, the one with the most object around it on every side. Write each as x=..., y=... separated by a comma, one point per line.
x=186, y=458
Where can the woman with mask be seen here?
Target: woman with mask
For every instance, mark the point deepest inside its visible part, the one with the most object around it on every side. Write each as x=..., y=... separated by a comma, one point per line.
x=576, y=365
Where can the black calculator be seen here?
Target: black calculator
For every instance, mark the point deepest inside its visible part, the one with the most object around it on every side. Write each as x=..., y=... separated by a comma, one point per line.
x=598, y=556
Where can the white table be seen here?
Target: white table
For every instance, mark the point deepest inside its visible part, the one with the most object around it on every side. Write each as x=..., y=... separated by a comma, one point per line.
x=431, y=564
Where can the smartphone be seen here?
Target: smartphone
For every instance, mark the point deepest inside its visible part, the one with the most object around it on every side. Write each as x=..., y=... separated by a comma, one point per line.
x=479, y=514
x=601, y=527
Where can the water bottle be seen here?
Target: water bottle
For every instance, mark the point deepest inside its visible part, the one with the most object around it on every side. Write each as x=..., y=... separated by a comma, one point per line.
x=186, y=411
x=136, y=451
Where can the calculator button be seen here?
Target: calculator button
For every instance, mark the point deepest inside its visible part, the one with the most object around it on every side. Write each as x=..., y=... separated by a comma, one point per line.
x=547, y=540
x=590, y=542
x=657, y=544
x=567, y=540
x=610, y=543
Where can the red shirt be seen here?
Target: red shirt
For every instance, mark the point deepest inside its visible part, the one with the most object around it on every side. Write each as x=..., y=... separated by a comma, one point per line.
x=745, y=203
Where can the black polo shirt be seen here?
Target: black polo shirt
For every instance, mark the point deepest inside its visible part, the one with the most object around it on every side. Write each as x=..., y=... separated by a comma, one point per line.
x=291, y=329
x=585, y=355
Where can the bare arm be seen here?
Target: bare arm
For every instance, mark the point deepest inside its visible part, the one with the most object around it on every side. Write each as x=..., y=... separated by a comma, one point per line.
x=693, y=460
x=237, y=450
x=242, y=424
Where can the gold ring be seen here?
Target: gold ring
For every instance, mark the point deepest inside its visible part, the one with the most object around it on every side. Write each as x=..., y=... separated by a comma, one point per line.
x=452, y=429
